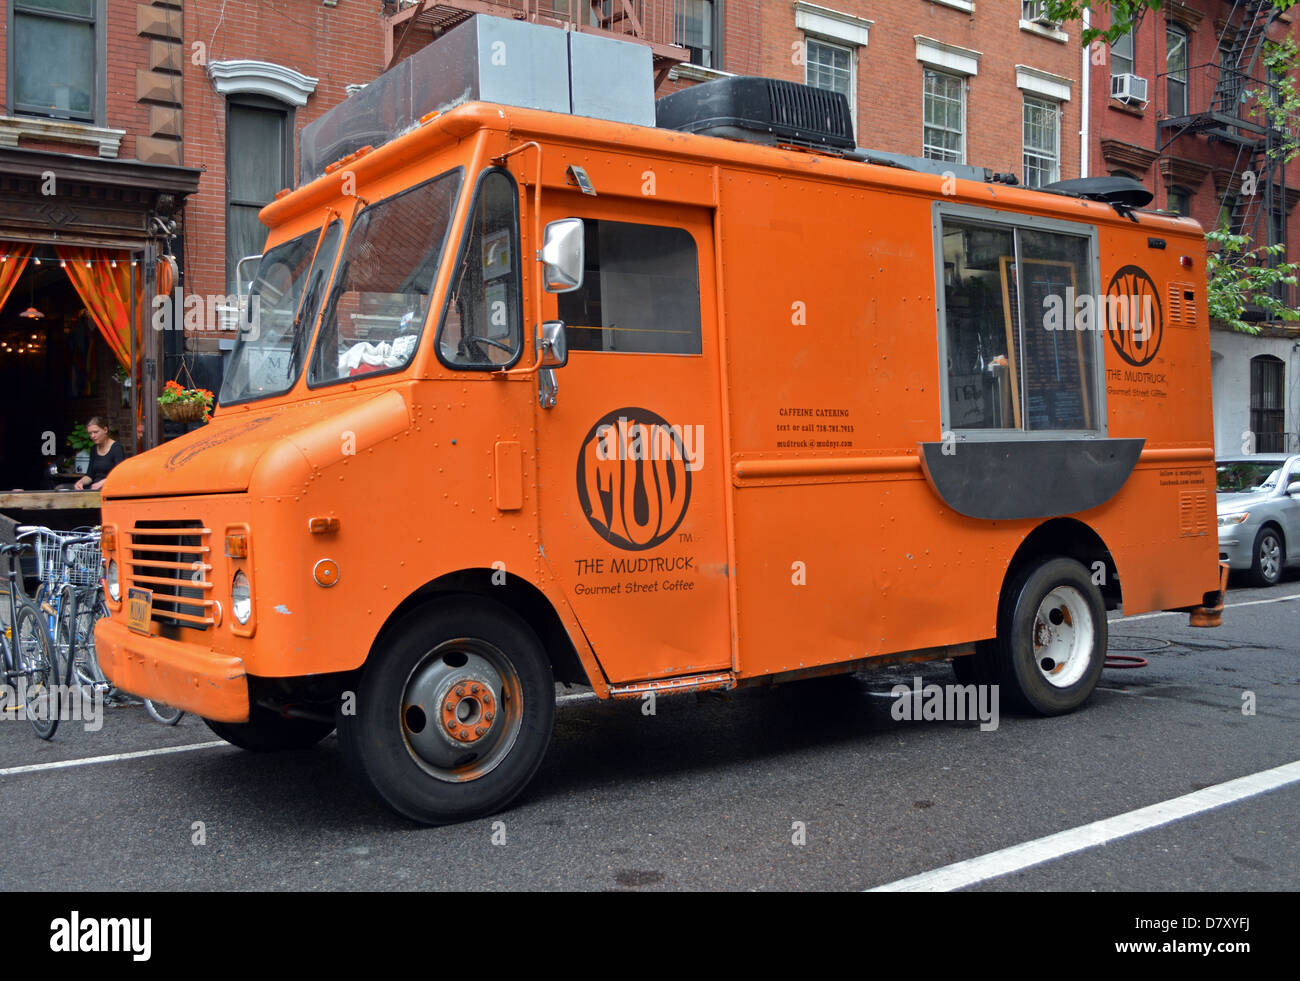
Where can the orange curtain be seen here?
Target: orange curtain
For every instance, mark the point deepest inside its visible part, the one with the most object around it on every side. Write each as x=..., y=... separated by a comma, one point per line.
x=106, y=292
x=12, y=267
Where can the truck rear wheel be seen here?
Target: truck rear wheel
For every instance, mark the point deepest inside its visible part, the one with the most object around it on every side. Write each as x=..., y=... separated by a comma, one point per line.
x=267, y=731
x=1051, y=644
x=454, y=712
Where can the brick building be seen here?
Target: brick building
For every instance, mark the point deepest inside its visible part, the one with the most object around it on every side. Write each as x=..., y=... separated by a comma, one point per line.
x=133, y=129
x=168, y=123
x=1178, y=106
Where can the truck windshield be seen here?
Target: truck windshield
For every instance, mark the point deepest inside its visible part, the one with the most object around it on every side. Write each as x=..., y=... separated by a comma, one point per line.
x=380, y=298
x=282, y=305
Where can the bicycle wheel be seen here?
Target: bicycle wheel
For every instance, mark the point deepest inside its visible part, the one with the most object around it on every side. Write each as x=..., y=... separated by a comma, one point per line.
x=85, y=662
x=40, y=665
x=162, y=712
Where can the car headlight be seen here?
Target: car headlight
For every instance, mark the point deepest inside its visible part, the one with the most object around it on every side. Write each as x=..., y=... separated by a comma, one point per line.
x=241, y=597
x=1233, y=519
x=110, y=581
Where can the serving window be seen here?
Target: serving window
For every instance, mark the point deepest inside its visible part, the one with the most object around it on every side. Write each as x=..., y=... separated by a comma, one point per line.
x=1020, y=326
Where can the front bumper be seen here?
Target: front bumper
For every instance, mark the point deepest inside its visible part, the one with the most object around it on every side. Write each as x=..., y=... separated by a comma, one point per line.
x=1236, y=546
x=185, y=676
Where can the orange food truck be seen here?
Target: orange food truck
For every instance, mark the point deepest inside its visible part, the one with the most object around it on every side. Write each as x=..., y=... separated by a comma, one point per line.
x=534, y=396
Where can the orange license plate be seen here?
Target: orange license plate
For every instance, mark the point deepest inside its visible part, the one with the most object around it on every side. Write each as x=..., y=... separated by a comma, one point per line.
x=139, y=606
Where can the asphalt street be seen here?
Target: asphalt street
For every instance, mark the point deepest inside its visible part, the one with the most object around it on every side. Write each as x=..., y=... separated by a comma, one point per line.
x=808, y=786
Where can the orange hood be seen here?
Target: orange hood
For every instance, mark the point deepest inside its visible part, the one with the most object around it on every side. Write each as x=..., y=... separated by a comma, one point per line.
x=221, y=457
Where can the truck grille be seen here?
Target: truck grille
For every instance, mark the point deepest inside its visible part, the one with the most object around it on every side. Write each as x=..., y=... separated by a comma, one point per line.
x=173, y=558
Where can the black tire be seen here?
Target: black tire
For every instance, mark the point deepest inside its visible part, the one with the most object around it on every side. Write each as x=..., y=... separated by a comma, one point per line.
x=1267, y=557
x=457, y=652
x=1030, y=679
x=979, y=668
x=267, y=731
x=42, y=669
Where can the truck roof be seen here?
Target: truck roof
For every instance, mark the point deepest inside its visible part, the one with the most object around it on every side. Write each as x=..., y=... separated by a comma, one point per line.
x=447, y=128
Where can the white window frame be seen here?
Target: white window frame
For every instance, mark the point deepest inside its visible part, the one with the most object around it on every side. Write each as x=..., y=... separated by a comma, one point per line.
x=961, y=90
x=852, y=94
x=1055, y=106
x=835, y=29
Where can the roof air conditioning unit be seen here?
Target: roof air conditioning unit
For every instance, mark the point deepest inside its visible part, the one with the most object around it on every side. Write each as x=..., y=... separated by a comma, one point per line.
x=1128, y=88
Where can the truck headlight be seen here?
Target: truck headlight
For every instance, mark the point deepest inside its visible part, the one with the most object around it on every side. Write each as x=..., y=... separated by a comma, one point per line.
x=241, y=597
x=1233, y=519
x=110, y=581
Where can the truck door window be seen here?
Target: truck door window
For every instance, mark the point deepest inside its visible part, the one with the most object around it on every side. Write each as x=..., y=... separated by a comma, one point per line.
x=640, y=292
x=377, y=307
x=483, y=326
x=282, y=305
x=1007, y=370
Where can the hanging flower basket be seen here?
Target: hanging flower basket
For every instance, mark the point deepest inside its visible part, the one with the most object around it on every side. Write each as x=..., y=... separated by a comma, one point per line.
x=185, y=404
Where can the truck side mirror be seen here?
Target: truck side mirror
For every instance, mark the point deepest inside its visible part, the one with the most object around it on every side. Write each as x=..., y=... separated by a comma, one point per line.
x=1293, y=488
x=554, y=346
x=563, y=255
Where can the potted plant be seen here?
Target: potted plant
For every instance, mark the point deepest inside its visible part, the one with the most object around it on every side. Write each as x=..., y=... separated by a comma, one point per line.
x=185, y=404
x=81, y=444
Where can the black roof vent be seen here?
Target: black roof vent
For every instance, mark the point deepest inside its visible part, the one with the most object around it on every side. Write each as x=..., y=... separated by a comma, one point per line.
x=1121, y=192
x=760, y=110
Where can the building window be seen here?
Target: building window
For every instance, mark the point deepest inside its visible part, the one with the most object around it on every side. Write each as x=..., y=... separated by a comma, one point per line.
x=1121, y=55
x=54, y=69
x=696, y=29
x=1228, y=220
x=1266, y=404
x=830, y=66
x=1180, y=201
x=944, y=137
x=1176, y=69
x=259, y=162
x=1042, y=142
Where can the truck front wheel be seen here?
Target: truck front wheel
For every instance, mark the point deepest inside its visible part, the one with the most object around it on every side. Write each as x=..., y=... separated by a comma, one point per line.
x=454, y=712
x=1051, y=644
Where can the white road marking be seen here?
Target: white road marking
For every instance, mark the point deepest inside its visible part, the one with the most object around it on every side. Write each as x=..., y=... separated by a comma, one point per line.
x=1227, y=606
x=1031, y=853
x=581, y=696
x=88, y=760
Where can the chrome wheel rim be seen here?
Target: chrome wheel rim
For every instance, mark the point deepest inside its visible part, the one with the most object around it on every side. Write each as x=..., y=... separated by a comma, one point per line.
x=1063, y=636
x=1270, y=557
x=461, y=710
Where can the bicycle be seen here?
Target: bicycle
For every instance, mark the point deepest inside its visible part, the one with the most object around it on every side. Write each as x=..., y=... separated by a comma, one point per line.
x=25, y=652
x=73, y=570
x=69, y=598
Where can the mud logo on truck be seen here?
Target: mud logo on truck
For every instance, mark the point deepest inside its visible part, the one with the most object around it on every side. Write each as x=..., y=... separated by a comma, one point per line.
x=634, y=477
x=1137, y=326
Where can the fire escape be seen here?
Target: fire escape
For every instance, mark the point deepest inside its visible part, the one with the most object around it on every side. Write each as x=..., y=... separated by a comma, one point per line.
x=654, y=23
x=1228, y=104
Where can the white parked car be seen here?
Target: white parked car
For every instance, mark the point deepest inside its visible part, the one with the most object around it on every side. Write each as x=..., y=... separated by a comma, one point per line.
x=1259, y=514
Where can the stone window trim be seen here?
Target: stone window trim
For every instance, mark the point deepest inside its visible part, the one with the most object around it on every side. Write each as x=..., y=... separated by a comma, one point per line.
x=246, y=77
x=107, y=142
x=1044, y=84
x=965, y=6
x=947, y=57
x=833, y=25
x=696, y=73
x=1127, y=156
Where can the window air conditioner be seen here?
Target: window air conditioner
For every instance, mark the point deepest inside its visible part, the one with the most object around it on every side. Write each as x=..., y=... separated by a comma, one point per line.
x=1035, y=11
x=1128, y=88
